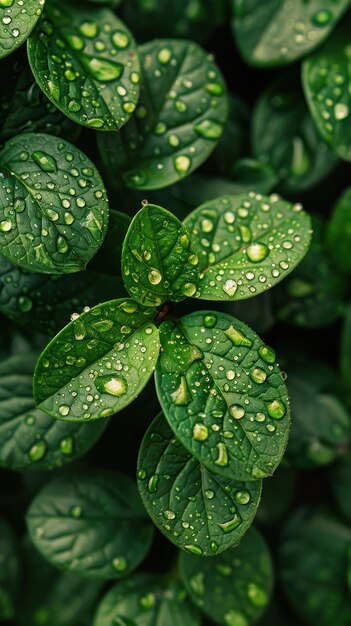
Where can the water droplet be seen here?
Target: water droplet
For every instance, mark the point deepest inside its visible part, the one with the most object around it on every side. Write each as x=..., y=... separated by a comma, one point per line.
x=77, y=43
x=5, y=226
x=209, y=494
x=142, y=473
x=25, y=304
x=322, y=18
x=230, y=287
x=153, y=483
x=257, y=252
x=103, y=326
x=45, y=161
x=147, y=601
x=102, y=70
x=222, y=459
x=193, y=259
x=169, y=514
x=119, y=564
x=257, y=595
x=64, y=409
x=276, y=409
x=67, y=446
x=19, y=206
x=189, y=289
x=6, y=3
x=207, y=226
x=209, y=129
x=210, y=321
x=200, y=432
x=234, y=618
x=258, y=375
x=214, y=89
x=237, y=337
x=231, y=524
x=341, y=111
x=182, y=163
x=181, y=396
x=197, y=583
x=237, y=411
x=120, y=39
x=242, y=497
x=267, y=354
x=164, y=56
x=62, y=245
x=88, y=29
x=154, y=277
x=113, y=385
x=37, y=451
x=193, y=549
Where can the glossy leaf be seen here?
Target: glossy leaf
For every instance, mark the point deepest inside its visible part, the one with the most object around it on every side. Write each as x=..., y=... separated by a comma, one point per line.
x=16, y=23
x=199, y=511
x=99, y=363
x=25, y=109
x=223, y=394
x=276, y=33
x=45, y=303
x=313, y=296
x=326, y=76
x=9, y=571
x=86, y=62
x=178, y=121
x=30, y=440
x=320, y=430
x=54, y=210
x=233, y=588
x=159, y=260
x=340, y=484
x=146, y=600
x=284, y=135
x=108, y=259
x=90, y=523
x=315, y=568
x=338, y=232
x=248, y=243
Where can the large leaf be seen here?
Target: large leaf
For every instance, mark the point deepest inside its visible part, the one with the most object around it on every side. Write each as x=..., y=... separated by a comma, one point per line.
x=233, y=588
x=338, y=235
x=45, y=303
x=30, y=440
x=86, y=62
x=326, y=76
x=315, y=568
x=340, y=483
x=200, y=512
x=146, y=600
x=99, y=363
x=284, y=135
x=223, y=394
x=276, y=33
x=92, y=524
x=248, y=243
x=159, y=260
x=9, y=572
x=17, y=20
x=54, y=210
x=179, y=119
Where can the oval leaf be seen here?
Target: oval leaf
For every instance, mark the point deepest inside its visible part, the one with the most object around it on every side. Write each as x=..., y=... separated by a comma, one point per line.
x=45, y=303
x=86, y=62
x=326, y=76
x=17, y=20
x=29, y=439
x=54, y=210
x=199, y=511
x=179, y=119
x=233, y=588
x=146, y=599
x=223, y=394
x=248, y=243
x=159, y=262
x=92, y=524
x=109, y=352
x=276, y=33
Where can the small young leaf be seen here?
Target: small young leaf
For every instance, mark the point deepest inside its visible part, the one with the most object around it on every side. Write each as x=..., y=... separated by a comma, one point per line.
x=199, y=511
x=54, y=210
x=340, y=484
x=284, y=135
x=29, y=439
x=159, y=260
x=45, y=303
x=223, y=394
x=273, y=32
x=233, y=588
x=330, y=106
x=338, y=234
x=315, y=564
x=86, y=62
x=178, y=121
x=146, y=600
x=248, y=243
x=17, y=22
x=109, y=351
x=9, y=572
x=92, y=524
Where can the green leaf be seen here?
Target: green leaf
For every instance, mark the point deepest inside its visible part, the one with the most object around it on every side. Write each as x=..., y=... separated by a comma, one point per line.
x=223, y=394
x=284, y=135
x=91, y=524
x=253, y=175
x=45, y=303
x=199, y=511
x=25, y=109
x=315, y=568
x=17, y=22
x=159, y=260
x=54, y=210
x=233, y=588
x=109, y=352
x=340, y=484
x=320, y=430
x=313, y=296
x=108, y=259
x=9, y=571
x=248, y=243
x=29, y=439
x=326, y=76
x=273, y=32
x=178, y=121
x=85, y=60
x=146, y=600
x=338, y=232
